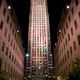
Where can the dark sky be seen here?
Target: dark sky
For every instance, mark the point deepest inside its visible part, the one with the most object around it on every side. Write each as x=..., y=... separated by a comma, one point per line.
x=22, y=9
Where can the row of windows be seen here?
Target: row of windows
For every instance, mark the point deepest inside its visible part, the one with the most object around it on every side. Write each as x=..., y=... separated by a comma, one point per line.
x=69, y=36
x=8, y=21
x=70, y=52
x=67, y=24
x=11, y=57
x=10, y=70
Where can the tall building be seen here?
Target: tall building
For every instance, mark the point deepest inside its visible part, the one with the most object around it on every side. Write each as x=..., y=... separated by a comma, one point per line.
x=68, y=44
x=11, y=50
x=39, y=46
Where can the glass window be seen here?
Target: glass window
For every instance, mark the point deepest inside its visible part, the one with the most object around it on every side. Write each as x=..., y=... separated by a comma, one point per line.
x=71, y=50
x=1, y=24
x=5, y=31
x=71, y=31
x=75, y=24
x=66, y=25
x=0, y=63
x=72, y=10
x=76, y=2
x=4, y=11
x=74, y=44
x=3, y=45
x=0, y=2
x=68, y=37
x=6, y=51
x=79, y=39
x=7, y=19
x=79, y=14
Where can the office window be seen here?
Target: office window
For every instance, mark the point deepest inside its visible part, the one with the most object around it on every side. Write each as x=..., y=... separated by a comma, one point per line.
x=74, y=44
x=66, y=25
x=3, y=46
x=0, y=2
x=5, y=31
x=67, y=54
x=10, y=25
x=69, y=19
x=75, y=24
x=79, y=14
x=1, y=24
x=72, y=10
x=10, y=55
x=76, y=2
x=7, y=19
x=0, y=63
x=79, y=39
x=72, y=31
x=71, y=50
x=6, y=51
x=8, y=37
x=4, y=11
x=68, y=37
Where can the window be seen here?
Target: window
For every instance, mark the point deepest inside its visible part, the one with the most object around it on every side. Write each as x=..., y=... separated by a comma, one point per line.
x=68, y=37
x=0, y=63
x=3, y=45
x=79, y=39
x=7, y=19
x=76, y=2
x=10, y=55
x=8, y=37
x=75, y=24
x=0, y=2
x=69, y=19
x=5, y=32
x=71, y=50
x=10, y=25
x=72, y=31
x=66, y=25
x=72, y=10
x=74, y=44
x=79, y=14
x=4, y=11
x=67, y=54
x=6, y=51
x=1, y=24
x=66, y=41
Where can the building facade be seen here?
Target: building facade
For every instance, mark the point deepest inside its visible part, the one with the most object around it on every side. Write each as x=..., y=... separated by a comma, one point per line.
x=68, y=39
x=11, y=50
x=39, y=46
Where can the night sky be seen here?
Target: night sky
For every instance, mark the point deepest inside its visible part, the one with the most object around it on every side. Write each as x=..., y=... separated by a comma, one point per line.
x=22, y=9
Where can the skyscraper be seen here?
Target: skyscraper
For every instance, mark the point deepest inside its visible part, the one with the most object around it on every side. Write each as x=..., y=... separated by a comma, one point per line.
x=39, y=46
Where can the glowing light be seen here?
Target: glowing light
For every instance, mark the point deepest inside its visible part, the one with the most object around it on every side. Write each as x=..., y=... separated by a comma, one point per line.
x=39, y=67
x=27, y=55
x=55, y=44
x=17, y=30
x=59, y=30
x=67, y=6
x=9, y=7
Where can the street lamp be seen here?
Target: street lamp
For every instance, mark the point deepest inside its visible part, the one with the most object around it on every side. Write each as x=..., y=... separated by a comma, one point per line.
x=27, y=55
x=9, y=7
x=67, y=6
